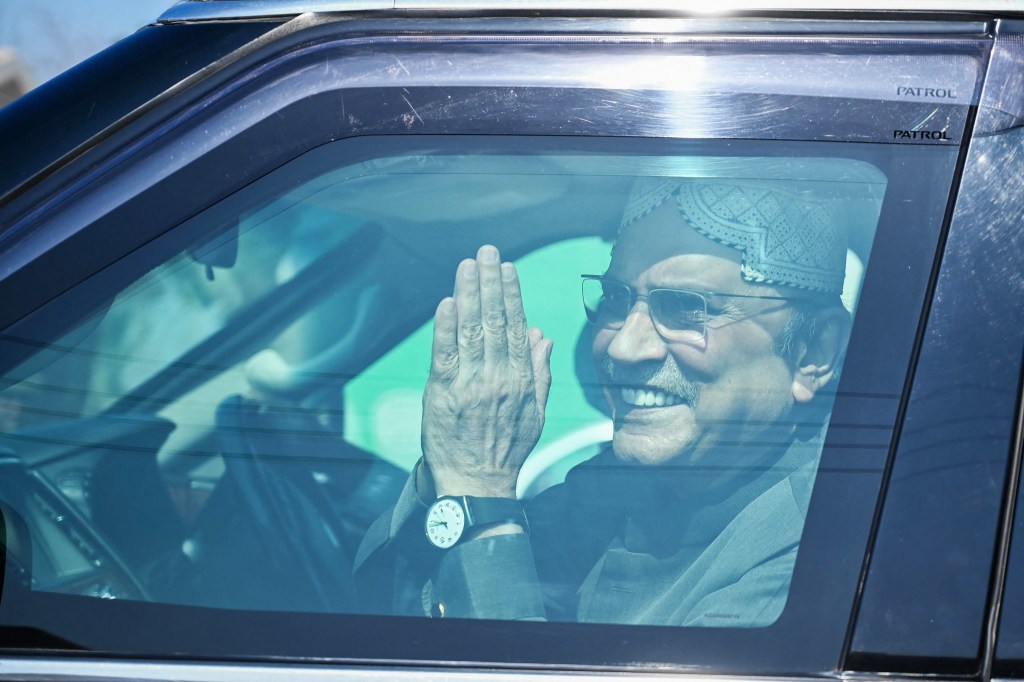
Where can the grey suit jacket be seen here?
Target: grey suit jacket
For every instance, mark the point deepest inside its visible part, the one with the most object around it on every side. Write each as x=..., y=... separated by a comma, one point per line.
x=612, y=544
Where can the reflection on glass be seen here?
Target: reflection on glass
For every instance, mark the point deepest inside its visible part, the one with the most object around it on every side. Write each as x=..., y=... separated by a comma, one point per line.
x=265, y=409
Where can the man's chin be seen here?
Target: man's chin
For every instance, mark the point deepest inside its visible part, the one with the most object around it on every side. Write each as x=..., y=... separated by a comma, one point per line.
x=631, y=447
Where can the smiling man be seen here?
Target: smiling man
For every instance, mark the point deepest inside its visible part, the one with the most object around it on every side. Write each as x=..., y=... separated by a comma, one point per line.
x=716, y=330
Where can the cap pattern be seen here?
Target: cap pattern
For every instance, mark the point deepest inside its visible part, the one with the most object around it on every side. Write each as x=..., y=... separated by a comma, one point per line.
x=788, y=238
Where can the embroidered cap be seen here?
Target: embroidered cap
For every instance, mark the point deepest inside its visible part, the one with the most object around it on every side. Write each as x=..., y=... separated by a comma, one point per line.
x=789, y=236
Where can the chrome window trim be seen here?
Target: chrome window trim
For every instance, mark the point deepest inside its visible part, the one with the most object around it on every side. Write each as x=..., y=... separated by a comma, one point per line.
x=69, y=669
x=205, y=10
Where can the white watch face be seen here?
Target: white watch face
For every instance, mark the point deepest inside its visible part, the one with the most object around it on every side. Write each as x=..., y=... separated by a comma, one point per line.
x=445, y=523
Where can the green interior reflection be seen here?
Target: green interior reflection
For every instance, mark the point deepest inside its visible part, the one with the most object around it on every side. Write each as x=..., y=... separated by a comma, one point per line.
x=299, y=355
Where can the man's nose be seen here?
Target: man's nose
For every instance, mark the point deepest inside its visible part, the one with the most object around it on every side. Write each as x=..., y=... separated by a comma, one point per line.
x=637, y=340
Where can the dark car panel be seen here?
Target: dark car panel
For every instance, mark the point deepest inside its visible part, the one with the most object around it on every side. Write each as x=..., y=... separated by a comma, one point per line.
x=99, y=92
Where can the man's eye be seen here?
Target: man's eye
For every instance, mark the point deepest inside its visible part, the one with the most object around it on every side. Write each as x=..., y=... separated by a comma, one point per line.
x=688, y=316
x=615, y=297
x=681, y=310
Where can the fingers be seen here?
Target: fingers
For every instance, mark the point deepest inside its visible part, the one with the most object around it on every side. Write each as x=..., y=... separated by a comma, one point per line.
x=540, y=357
x=492, y=306
x=444, y=357
x=515, y=318
x=469, y=331
x=489, y=322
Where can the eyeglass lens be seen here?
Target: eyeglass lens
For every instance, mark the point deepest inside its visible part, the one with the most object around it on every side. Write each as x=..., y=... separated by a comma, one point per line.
x=677, y=314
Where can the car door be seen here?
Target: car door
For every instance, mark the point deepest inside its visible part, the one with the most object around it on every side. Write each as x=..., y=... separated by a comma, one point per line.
x=220, y=320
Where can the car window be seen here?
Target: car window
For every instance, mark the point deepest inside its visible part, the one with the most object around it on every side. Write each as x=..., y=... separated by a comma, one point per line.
x=260, y=390
x=305, y=409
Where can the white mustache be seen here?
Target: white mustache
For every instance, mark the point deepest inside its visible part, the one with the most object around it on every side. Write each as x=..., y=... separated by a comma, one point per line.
x=665, y=378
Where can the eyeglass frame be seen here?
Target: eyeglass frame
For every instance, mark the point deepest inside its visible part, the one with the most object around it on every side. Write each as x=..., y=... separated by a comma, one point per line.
x=659, y=326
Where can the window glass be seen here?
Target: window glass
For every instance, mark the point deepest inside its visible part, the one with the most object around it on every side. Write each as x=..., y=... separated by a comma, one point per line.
x=282, y=408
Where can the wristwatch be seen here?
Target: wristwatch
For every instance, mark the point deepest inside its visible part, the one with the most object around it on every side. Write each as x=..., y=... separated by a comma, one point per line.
x=449, y=517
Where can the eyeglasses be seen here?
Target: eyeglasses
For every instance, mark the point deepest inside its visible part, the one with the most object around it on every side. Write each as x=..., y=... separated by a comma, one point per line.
x=678, y=314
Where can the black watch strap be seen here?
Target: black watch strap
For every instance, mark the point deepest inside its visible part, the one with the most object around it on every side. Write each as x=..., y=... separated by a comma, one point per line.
x=489, y=511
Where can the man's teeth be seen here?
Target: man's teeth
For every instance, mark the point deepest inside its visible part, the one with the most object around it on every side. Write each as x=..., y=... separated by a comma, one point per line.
x=644, y=398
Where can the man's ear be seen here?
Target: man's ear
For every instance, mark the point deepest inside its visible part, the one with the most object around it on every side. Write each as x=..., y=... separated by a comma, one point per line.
x=820, y=352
